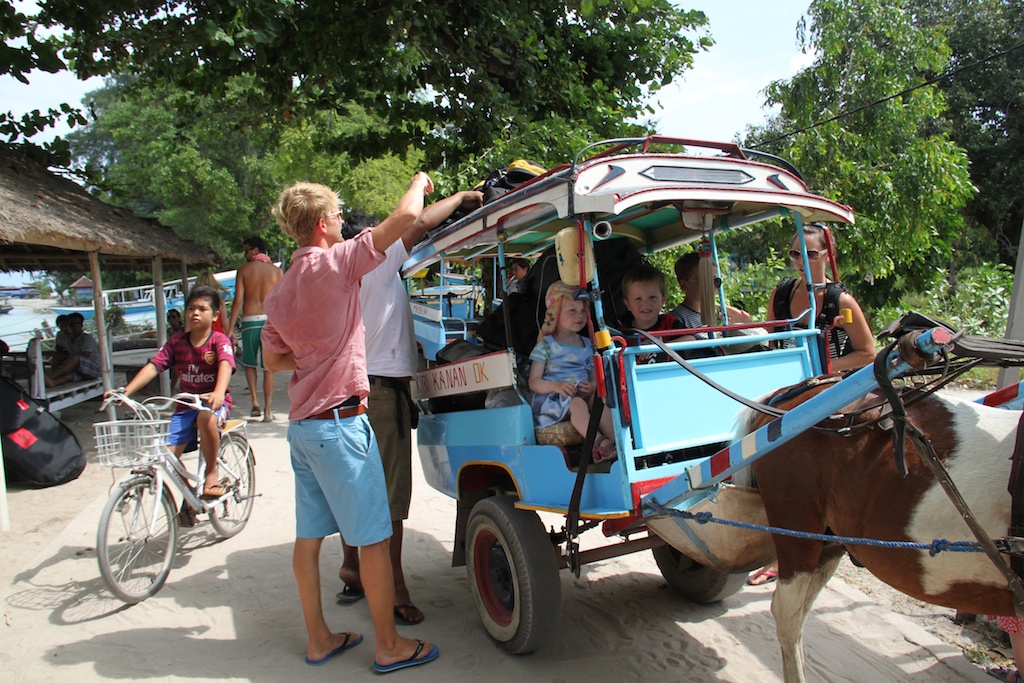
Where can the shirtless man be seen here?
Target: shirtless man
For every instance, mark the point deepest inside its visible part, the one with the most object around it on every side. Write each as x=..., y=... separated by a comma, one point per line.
x=252, y=283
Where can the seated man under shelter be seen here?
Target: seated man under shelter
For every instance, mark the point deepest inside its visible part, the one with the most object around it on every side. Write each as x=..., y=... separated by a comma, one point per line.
x=83, y=361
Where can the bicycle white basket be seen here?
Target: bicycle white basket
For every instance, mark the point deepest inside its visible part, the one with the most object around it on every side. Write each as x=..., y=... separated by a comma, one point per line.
x=126, y=443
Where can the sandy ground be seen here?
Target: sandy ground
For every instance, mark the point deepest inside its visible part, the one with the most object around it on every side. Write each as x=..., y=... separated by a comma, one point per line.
x=37, y=305
x=229, y=609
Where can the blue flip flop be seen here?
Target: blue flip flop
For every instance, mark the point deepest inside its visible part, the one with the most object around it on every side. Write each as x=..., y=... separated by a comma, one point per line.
x=412, y=661
x=347, y=645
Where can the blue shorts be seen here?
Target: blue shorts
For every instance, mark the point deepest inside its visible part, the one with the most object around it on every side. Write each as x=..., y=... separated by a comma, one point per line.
x=183, y=427
x=339, y=481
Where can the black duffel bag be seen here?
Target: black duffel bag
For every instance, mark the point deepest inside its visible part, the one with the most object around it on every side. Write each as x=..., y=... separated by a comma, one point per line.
x=39, y=449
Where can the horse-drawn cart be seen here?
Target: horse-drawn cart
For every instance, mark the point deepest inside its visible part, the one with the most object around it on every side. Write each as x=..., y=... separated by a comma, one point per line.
x=674, y=420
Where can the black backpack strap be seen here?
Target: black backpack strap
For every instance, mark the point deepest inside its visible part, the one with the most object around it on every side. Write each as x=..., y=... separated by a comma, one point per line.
x=829, y=310
x=783, y=293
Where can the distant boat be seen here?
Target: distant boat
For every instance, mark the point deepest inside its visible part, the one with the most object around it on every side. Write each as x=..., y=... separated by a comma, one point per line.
x=139, y=301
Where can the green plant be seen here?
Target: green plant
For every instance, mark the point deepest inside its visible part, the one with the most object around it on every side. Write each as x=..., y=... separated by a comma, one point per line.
x=750, y=287
x=114, y=318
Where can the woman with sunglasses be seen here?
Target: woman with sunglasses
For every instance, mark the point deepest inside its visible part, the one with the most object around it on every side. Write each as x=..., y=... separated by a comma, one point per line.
x=850, y=345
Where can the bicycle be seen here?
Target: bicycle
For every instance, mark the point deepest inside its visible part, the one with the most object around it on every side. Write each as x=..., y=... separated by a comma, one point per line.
x=138, y=530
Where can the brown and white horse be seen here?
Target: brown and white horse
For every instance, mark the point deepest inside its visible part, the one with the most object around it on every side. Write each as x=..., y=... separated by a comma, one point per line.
x=850, y=485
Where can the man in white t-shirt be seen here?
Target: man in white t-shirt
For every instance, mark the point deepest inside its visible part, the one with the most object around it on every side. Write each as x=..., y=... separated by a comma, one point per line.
x=391, y=362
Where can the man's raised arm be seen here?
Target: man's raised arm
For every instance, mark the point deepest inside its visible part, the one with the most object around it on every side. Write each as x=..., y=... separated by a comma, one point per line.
x=405, y=215
x=432, y=215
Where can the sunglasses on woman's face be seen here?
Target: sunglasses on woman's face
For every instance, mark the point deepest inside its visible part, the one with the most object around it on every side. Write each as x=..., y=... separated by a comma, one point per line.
x=812, y=254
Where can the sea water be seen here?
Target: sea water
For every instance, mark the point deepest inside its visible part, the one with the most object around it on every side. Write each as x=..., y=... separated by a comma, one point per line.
x=17, y=326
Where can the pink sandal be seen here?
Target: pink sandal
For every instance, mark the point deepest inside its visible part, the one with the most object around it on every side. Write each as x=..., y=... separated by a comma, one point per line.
x=762, y=576
x=604, y=450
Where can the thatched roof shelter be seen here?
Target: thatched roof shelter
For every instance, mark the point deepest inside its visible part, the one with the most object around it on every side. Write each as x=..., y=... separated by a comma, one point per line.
x=51, y=223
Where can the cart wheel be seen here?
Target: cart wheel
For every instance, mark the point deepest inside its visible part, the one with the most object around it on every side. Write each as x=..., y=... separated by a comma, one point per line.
x=694, y=581
x=513, y=574
x=137, y=537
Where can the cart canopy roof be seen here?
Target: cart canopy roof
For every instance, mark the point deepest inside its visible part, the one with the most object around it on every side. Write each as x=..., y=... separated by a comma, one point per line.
x=658, y=192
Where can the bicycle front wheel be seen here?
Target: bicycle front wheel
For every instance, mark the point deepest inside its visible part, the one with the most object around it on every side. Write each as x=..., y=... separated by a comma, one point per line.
x=137, y=539
x=236, y=468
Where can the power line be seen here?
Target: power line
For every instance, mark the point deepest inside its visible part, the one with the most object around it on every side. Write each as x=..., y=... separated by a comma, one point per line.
x=944, y=75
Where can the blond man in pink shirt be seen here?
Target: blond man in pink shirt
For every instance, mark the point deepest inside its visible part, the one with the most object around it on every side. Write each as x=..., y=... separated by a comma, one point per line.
x=314, y=329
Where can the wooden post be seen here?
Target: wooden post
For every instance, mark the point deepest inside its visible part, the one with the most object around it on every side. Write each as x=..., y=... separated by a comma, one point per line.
x=1015, y=318
x=184, y=284
x=106, y=358
x=161, y=317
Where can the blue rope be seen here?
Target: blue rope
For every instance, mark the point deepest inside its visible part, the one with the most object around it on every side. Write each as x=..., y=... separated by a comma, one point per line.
x=934, y=548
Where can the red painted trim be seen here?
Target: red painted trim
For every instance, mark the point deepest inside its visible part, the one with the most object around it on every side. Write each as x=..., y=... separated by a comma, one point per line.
x=719, y=462
x=1001, y=396
x=639, y=489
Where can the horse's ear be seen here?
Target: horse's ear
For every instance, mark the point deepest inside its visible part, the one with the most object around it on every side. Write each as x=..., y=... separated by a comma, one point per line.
x=909, y=322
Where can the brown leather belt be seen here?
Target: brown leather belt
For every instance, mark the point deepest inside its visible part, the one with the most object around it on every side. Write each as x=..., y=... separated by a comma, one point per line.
x=342, y=413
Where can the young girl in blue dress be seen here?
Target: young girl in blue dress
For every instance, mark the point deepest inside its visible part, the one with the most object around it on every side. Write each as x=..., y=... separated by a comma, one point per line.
x=562, y=374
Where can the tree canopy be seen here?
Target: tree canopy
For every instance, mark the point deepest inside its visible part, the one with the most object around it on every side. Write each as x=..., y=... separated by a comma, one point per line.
x=227, y=102
x=449, y=78
x=892, y=161
x=985, y=96
x=199, y=164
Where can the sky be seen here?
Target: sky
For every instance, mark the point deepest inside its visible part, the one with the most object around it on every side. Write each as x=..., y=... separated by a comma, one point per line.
x=755, y=44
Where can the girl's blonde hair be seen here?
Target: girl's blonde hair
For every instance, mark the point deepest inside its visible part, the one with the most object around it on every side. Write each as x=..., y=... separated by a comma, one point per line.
x=206, y=279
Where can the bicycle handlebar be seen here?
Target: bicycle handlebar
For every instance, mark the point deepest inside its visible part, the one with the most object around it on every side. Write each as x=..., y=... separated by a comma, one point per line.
x=163, y=402
x=150, y=407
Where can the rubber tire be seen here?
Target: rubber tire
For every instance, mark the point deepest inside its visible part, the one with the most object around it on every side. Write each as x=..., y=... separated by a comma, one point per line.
x=236, y=462
x=513, y=575
x=694, y=581
x=135, y=570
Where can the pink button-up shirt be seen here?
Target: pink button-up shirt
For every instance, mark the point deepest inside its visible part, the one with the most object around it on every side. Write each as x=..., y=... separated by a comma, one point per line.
x=313, y=312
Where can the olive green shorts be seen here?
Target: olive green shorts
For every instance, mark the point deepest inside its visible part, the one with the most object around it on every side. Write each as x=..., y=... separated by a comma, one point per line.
x=389, y=414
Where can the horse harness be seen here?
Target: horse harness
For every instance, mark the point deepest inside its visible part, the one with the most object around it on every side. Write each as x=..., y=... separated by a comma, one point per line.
x=970, y=352
x=978, y=351
x=1016, y=490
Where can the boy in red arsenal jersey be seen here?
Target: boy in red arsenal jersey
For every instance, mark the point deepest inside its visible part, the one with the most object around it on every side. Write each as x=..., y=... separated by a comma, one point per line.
x=205, y=361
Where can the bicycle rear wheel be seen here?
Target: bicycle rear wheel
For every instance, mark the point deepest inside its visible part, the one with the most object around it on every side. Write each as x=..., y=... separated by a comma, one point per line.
x=137, y=539
x=236, y=467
